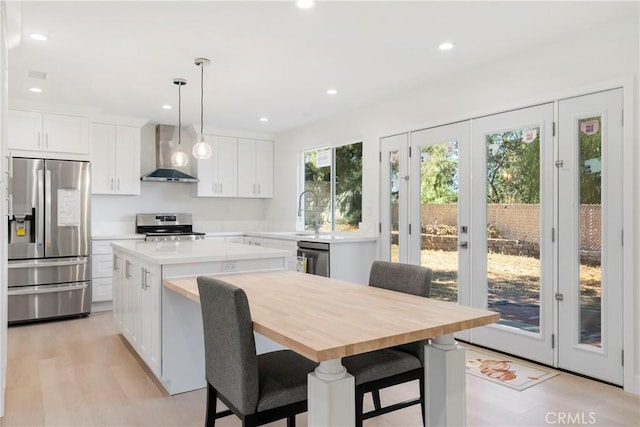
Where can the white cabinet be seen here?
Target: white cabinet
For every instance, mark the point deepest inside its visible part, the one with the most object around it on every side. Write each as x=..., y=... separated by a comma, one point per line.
x=115, y=158
x=104, y=267
x=255, y=168
x=291, y=246
x=49, y=134
x=137, y=307
x=218, y=175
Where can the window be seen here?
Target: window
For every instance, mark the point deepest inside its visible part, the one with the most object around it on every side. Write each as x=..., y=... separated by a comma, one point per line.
x=333, y=186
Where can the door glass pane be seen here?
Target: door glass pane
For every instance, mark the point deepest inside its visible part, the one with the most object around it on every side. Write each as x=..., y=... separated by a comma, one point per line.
x=439, y=217
x=317, y=178
x=590, y=143
x=394, y=203
x=513, y=227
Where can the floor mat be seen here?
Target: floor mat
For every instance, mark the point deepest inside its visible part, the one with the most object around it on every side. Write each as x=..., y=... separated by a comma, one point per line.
x=504, y=370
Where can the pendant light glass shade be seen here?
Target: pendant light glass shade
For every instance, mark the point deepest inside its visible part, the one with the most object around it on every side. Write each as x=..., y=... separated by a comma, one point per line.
x=201, y=150
x=178, y=158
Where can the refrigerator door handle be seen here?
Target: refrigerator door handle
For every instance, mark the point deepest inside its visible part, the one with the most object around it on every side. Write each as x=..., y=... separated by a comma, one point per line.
x=41, y=264
x=30, y=291
x=39, y=223
x=47, y=212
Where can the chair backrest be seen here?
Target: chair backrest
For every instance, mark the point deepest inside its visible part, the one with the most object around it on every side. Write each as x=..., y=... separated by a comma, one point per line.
x=229, y=346
x=410, y=279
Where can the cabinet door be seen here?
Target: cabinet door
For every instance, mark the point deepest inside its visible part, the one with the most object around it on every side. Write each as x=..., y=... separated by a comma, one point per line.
x=207, y=171
x=246, y=168
x=24, y=130
x=66, y=134
x=227, y=159
x=127, y=160
x=103, y=139
x=150, y=318
x=101, y=289
x=129, y=298
x=264, y=168
x=101, y=265
x=117, y=289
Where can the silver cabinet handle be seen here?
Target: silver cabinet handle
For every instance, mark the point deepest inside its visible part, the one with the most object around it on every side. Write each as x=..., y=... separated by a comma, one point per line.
x=463, y=245
x=111, y=185
x=127, y=264
x=220, y=187
x=258, y=188
x=115, y=262
x=215, y=187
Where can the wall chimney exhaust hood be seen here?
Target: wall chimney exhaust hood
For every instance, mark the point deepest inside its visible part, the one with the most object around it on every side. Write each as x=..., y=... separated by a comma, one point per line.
x=164, y=171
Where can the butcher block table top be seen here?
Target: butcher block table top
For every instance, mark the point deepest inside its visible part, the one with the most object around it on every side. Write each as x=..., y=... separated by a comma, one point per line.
x=322, y=318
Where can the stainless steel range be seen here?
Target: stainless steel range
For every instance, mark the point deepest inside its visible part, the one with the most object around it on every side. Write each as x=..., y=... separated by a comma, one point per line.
x=167, y=227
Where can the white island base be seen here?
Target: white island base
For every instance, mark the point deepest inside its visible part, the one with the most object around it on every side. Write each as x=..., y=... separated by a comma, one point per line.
x=163, y=327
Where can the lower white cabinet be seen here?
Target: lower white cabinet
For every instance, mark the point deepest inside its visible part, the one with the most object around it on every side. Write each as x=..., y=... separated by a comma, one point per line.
x=103, y=269
x=136, y=307
x=291, y=246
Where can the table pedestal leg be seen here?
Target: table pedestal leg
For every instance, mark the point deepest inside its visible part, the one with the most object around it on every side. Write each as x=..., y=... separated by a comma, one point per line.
x=331, y=395
x=445, y=393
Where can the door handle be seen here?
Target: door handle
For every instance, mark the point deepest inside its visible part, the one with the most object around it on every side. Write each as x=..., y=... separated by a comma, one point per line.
x=463, y=245
x=47, y=213
x=23, y=291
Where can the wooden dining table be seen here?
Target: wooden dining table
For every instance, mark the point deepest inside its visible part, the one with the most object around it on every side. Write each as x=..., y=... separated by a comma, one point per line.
x=325, y=320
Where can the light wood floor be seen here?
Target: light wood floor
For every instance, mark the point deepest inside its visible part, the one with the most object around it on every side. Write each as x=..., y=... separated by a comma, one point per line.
x=80, y=373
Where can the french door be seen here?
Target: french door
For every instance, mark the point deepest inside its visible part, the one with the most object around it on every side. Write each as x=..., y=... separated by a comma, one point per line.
x=512, y=230
x=590, y=202
x=515, y=219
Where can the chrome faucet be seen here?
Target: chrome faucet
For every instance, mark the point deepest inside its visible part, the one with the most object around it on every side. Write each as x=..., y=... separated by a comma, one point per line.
x=316, y=223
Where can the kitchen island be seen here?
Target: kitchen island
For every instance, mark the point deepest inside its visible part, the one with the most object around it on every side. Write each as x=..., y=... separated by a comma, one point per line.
x=164, y=328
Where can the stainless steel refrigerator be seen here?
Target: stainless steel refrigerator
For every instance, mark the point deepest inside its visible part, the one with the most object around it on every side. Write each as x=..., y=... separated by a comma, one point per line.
x=49, y=273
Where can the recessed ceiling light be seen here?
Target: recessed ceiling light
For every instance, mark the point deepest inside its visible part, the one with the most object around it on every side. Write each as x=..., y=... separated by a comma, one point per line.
x=264, y=119
x=332, y=92
x=446, y=46
x=305, y=4
x=166, y=107
x=39, y=37
x=35, y=89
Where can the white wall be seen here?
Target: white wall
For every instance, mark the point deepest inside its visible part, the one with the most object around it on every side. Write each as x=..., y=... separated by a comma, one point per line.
x=567, y=67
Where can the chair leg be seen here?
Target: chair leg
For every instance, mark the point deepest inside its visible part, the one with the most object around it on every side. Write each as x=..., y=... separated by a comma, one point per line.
x=359, y=407
x=291, y=421
x=375, y=395
x=424, y=422
x=210, y=417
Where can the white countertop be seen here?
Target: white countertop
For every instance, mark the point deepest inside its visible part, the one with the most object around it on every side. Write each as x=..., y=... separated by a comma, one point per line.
x=131, y=236
x=195, y=251
x=310, y=237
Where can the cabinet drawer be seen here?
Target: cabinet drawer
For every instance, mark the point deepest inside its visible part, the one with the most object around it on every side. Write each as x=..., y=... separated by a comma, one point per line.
x=101, y=289
x=101, y=247
x=102, y=266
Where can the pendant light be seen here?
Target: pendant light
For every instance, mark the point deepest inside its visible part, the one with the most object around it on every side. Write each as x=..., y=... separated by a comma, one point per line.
x=201, y=150
x=178, y=158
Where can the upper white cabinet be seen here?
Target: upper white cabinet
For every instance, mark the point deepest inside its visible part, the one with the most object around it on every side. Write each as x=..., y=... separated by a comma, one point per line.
x=115, y=159
x=48, y=134
x=255, y=168
x=218, y=175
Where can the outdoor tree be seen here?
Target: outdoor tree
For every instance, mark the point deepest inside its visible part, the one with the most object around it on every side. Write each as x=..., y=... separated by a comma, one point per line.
x=513, y=167
x=439, y=172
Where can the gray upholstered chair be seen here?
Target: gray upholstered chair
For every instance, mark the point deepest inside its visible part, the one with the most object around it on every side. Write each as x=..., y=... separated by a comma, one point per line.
x=258, y=389
x=385, y=368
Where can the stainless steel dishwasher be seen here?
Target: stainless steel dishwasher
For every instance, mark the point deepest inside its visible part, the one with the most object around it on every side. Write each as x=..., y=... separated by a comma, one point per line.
x=317, y=255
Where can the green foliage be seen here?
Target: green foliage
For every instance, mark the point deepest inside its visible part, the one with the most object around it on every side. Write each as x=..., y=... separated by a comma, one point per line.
x=513, y=168
x=348, y=161
x=590, y=183
x=439, y=183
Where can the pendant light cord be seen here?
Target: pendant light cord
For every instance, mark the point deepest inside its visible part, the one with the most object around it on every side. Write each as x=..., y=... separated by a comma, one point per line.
x=201, y=96
x=179, y=114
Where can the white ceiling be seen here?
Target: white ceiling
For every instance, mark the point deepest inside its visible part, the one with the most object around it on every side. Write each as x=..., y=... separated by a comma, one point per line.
x=272, y=59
